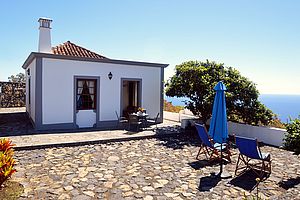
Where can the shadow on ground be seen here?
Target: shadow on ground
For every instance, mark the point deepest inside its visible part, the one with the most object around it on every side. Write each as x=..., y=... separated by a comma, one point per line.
x=179, y=141
x=208, y=182
x=289, y=183
x=16, y=123
x=199, y=164
x=246, y=180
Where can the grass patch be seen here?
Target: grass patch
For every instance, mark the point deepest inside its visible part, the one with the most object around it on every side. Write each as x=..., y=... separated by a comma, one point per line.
x=11, y=190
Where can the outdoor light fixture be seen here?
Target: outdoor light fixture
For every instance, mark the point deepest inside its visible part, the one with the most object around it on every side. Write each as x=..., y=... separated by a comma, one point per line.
x=110, y=75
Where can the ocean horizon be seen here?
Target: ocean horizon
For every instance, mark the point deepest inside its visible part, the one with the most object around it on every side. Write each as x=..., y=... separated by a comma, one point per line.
x=284, y=106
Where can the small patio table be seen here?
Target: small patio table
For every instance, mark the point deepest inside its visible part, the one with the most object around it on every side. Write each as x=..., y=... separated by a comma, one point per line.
x=141, y=118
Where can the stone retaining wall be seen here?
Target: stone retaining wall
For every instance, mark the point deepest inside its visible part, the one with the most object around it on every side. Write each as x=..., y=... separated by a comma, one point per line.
x=12, y=94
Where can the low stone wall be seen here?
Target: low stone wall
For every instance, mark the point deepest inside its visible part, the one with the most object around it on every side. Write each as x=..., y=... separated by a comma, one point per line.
x=267, y=135
x=12, y=94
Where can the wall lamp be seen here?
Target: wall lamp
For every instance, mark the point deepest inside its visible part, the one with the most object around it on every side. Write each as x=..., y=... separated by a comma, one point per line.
x=110, y=75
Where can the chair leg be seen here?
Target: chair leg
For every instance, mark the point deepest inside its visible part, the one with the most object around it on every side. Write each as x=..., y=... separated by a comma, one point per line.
x=228, y=155
x=262, y=170
x=246, y=161
x=210, y=157
x=267, y=166
x=237, y=164
x=197, y=157
x=205, y=150
x=213, y=152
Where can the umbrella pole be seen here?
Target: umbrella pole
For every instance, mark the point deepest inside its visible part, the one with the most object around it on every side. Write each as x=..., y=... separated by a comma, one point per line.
x=222, y=174
x=221, y=165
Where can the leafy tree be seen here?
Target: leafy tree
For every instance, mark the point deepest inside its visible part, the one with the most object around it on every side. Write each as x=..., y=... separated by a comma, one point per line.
x=196, y=80
x=19, y=78
x=292, y=139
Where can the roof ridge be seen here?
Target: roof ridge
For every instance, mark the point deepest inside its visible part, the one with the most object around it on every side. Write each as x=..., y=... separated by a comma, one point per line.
x=71, y=49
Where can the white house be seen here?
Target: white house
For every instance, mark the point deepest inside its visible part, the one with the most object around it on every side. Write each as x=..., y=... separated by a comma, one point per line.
x=70, y=87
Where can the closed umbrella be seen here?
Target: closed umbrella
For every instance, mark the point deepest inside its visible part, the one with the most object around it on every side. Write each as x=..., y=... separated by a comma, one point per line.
x=218, y=125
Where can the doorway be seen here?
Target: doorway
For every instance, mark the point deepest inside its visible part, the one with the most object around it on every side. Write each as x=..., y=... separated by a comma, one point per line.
x=130, y=96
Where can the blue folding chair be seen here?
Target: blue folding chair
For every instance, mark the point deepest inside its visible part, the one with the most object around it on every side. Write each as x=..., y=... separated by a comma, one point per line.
x=211, y=149
x=249, y=152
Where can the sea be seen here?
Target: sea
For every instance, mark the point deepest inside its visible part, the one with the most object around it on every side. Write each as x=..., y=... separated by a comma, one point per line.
x=285, y=106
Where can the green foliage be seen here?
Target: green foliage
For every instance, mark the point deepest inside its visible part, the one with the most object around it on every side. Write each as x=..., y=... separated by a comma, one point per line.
x=196, y=81
x=7, y=161
x=19, y=78
x=292, y=139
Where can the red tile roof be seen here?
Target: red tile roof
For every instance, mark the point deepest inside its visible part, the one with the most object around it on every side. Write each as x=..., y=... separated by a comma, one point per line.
x=70, y=49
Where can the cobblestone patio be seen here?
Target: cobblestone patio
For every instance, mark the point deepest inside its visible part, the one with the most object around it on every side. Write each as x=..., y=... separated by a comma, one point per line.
x=144, y=169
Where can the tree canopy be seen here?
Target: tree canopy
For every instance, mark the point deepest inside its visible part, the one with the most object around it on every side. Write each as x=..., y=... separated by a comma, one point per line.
x=19, y=78
x=196, y=80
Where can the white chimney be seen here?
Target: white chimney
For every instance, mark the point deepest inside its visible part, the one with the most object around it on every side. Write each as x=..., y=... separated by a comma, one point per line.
x=45, y=35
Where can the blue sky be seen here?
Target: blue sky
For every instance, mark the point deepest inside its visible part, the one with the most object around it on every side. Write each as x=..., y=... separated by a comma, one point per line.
x=259, y=38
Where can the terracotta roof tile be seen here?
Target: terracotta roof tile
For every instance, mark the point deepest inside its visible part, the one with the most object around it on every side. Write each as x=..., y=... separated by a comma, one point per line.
x=70, y=49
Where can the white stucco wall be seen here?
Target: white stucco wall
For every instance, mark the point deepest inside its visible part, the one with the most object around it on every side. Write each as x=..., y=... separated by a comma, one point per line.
x=58, y=88
x=268, y=135
x=85, y=118
x=31, y=108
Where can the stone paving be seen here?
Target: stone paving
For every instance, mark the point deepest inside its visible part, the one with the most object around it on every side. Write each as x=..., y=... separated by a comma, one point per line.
x=90, y=136
x=145, y=169
x=15, y=124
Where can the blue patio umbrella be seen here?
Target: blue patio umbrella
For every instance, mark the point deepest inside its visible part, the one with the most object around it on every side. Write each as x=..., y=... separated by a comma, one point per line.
x=218, y=125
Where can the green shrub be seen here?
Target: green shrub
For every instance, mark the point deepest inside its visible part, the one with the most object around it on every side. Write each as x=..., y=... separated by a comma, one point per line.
x=292, y=139
x=7, y=161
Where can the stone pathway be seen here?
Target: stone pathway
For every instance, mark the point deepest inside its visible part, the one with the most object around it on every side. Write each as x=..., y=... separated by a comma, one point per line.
x=141, y=169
